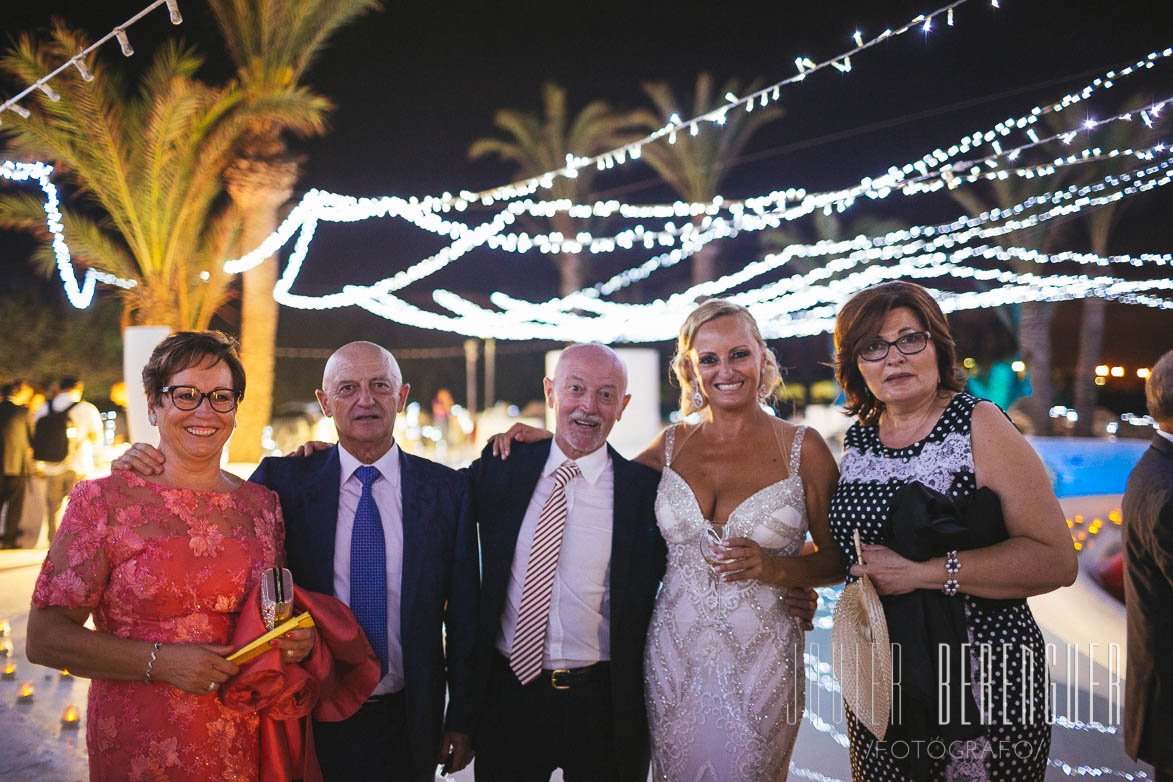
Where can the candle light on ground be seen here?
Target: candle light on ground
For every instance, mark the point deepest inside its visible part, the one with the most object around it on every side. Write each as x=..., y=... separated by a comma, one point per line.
x=25, y=695
x=8, y=671
x=70, y=718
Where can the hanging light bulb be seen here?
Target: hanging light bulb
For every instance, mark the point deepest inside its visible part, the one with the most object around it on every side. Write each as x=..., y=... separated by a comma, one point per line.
x=80, y=64
x=173, y=9
x=123, y=41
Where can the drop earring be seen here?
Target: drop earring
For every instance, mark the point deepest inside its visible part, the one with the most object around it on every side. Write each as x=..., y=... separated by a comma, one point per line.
x=763, y=392
x=698, y=401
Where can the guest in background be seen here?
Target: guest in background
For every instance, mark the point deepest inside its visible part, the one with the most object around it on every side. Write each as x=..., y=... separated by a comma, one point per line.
x=15, y=431
x=1148, y=585
x=66, y=434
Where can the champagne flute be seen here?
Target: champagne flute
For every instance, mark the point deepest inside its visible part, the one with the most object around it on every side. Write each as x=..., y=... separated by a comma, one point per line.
x=711, y=542
x=276, y=596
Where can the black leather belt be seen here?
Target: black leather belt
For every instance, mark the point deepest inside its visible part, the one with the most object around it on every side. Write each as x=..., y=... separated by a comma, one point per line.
x=566, y=678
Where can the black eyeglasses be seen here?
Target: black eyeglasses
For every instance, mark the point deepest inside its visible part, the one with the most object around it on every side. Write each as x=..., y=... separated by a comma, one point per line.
x=908, y=344
x=222, y=400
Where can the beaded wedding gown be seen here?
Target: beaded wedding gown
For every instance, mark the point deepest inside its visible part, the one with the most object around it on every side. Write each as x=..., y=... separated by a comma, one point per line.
x=723, y=667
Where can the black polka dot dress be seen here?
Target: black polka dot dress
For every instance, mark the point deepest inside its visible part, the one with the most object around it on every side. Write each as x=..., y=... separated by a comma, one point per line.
x=1007, y=655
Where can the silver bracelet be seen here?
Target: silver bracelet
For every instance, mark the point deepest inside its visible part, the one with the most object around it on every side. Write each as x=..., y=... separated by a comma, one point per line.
x=952, y=568
x=151, y=662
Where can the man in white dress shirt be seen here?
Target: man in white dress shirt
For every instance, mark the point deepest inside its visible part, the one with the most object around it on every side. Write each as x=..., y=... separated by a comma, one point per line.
x=571, y=561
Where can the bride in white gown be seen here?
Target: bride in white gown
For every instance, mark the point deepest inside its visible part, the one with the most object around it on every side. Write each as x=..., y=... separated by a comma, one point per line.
x=723, y=664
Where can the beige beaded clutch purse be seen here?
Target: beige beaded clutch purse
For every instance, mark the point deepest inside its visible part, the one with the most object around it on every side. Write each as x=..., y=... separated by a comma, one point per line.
x=861, y=654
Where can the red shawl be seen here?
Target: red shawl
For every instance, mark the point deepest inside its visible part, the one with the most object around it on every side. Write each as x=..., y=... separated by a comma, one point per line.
x=333, y=681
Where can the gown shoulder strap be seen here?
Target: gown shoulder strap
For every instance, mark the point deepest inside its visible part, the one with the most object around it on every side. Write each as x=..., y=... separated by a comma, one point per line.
x=796, y=450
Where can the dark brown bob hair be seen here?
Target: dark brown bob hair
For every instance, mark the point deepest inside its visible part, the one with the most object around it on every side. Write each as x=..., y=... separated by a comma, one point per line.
x=859, y=322
x=185, y=349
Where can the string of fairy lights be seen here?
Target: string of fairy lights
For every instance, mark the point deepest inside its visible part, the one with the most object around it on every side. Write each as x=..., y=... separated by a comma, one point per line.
x=78, y=60
x=990, y=225
x=323, y=206
x=719, y=219
x=761, y=98
x=79, y=294
x=714, y=220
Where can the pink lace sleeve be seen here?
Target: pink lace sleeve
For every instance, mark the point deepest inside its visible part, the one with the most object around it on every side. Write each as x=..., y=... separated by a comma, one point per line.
x=77, y=568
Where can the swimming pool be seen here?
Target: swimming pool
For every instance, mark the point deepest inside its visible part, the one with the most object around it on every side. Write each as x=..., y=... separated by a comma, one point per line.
x=1082, y=467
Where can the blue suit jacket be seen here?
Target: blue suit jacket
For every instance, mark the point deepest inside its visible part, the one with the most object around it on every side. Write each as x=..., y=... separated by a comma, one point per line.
x=440, y=578
x=501, y=492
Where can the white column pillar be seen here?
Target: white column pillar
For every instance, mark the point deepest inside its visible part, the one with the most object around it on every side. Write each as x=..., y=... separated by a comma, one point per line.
x=137, y=344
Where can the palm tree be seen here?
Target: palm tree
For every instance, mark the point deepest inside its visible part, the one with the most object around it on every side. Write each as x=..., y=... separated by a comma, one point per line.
x=541, y=143
x=695, y=165
x=1100, y=222
x=147, y=166
x=273, y=43
x=1030, y=320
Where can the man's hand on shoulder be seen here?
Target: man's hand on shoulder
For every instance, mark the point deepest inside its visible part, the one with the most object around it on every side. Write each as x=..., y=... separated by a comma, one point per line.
x=310, y=448
x=143, y=458
x=523, y=433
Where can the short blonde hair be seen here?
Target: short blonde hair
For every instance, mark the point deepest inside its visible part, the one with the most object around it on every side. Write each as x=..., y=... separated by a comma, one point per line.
x=711, y=310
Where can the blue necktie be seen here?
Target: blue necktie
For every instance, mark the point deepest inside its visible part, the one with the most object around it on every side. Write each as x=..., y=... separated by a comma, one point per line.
x=368, y=568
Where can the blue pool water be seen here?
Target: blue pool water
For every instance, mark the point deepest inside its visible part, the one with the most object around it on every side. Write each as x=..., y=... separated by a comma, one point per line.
x=1080, y=467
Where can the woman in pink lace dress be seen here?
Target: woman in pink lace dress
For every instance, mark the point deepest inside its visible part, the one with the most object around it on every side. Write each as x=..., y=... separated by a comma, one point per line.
x=163, y=565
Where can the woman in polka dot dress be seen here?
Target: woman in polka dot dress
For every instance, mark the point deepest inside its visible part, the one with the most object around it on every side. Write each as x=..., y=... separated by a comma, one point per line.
x=896, y=363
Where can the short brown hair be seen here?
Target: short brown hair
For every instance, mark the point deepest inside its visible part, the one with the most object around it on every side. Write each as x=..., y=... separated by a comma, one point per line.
x=711, y=310
x=1158, y=389
x=859, y=321
x=185, y=349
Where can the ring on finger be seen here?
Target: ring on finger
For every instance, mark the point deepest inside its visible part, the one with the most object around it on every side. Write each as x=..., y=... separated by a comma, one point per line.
x=212, y=686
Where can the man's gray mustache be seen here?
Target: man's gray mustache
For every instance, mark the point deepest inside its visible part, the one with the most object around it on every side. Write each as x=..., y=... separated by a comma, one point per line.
x=588, y=419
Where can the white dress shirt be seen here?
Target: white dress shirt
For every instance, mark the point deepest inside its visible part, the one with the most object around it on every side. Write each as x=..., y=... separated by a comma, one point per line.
x=579, y=629
x=86, y=423
x=389, y=499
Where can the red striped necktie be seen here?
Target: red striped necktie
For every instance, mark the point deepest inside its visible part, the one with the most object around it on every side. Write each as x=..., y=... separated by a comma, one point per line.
x=529, y=640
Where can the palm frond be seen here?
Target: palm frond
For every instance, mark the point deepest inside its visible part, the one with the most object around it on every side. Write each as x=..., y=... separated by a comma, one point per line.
x=695, y=165
x=23, y=211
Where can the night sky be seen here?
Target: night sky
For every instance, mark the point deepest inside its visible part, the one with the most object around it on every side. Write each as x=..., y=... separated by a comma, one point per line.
x=416, y=84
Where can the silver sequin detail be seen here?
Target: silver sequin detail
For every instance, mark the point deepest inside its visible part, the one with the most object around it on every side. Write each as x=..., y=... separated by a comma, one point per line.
x=723, y=668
